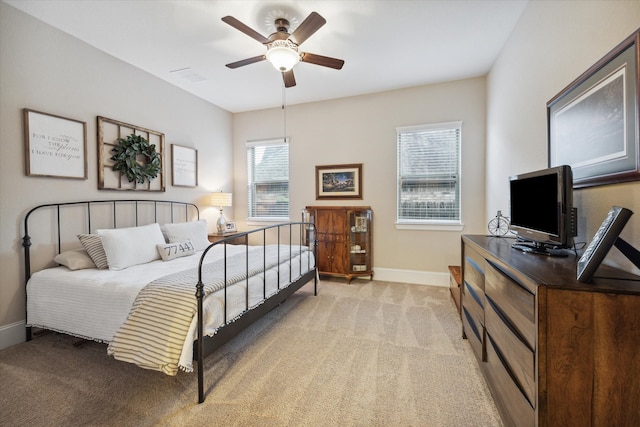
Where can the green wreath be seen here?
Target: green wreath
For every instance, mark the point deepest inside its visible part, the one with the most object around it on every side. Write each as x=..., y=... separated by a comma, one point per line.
x=136, y=159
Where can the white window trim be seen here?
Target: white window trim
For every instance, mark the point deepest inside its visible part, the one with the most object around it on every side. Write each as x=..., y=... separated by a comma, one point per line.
x=263, y=142
x=432, y=126
x=431, y=226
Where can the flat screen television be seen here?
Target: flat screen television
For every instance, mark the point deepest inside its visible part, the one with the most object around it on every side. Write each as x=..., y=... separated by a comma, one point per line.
x=542, y=213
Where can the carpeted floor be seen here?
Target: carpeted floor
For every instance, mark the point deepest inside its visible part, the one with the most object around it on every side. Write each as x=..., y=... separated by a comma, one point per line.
x=365, y=354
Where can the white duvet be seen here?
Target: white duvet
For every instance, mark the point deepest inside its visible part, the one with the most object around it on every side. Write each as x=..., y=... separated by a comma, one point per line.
x=92, y=303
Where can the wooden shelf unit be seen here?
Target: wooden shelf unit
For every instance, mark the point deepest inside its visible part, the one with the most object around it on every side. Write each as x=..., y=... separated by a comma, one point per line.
x=345, y=243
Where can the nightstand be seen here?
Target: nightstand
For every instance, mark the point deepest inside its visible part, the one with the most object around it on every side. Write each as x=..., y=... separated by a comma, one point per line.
x=214, y=237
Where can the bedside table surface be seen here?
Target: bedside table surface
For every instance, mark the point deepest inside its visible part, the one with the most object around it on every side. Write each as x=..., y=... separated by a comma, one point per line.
x=214, y=237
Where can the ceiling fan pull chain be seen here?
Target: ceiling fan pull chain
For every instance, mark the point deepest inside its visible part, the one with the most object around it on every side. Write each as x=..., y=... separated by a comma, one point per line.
x=284, y=111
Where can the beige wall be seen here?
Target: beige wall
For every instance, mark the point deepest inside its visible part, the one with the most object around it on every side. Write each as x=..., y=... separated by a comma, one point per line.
x=362, y=129
x=46, y=70
x=552, y=44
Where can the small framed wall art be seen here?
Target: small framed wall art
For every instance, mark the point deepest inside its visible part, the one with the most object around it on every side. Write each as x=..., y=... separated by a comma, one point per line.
x=339, y=181
x=184, y=166
x=54, y=146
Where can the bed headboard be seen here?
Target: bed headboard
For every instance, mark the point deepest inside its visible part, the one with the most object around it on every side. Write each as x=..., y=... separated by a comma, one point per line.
x=58, y=224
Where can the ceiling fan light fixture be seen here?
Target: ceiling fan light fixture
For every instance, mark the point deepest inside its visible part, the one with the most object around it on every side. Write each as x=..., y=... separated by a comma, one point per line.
x=283, y=55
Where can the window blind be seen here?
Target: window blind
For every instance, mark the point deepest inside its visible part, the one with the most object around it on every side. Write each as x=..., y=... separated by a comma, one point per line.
x=268, y=179
x=429, y=172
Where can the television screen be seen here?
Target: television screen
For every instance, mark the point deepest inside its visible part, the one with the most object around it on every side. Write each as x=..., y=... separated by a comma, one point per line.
x=534, y=203
x=542, y=211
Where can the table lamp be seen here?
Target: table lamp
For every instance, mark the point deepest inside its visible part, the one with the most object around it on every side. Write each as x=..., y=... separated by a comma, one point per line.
x=221, y=200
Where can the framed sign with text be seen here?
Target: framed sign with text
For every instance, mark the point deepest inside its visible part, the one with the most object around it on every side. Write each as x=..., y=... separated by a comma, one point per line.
x=54, y=146
x=184, y=166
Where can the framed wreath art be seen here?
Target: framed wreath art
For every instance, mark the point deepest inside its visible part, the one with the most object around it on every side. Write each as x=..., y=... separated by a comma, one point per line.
x=132, y=162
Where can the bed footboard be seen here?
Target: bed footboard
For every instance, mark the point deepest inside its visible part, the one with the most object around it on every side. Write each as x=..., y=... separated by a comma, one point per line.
x=207, y=345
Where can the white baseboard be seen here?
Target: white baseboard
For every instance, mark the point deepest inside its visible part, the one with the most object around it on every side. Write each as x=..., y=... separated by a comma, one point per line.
x=411, y=276
x=12, y=334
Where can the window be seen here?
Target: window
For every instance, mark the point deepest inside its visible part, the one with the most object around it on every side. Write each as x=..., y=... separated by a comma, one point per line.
x=429, y=174
x=268, y=179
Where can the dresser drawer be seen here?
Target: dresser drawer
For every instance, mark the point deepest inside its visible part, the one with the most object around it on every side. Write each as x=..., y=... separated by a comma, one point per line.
x=475, y=334
x=474, y=303
x=473, y=274
x=513, y=301
x=512, y=404
x=516, y=355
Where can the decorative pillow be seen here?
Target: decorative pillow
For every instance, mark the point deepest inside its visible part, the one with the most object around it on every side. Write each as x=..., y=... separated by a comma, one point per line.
x=196, y=231
x=92, y=243
x=130, y=246
x=76, y=259
x=169, y=251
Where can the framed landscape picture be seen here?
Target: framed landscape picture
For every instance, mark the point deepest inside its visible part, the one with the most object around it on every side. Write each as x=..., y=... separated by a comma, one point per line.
x=593, y=122
x=339, y=181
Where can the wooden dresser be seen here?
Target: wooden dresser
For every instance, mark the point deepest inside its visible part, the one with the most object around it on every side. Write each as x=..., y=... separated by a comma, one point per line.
x=554, y=351
x=345, y=244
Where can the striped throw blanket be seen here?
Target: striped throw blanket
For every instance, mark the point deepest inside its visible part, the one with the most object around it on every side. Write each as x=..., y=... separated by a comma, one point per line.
x=155, y=331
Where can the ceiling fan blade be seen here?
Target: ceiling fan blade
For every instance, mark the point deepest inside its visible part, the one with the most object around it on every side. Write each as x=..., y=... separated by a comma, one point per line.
x=247, y=61
x=289, y=79
x=325, y=61
x=245, y=29
x=310, y=25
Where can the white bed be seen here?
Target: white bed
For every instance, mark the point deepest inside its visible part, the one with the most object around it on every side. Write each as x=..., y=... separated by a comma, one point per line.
x=96, y=303
x=93, y=304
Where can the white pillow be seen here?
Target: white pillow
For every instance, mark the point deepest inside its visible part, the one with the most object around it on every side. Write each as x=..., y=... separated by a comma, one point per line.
x=196, y=231
x=130, y=246
x=169, y=251
x=76, y=259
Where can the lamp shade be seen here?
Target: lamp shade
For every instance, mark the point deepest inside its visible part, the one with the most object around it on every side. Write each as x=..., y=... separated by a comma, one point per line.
x=221, y=199
x=283, y=55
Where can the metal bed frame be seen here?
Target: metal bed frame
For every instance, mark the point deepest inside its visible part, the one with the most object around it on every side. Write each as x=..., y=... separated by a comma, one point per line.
x=204, y=345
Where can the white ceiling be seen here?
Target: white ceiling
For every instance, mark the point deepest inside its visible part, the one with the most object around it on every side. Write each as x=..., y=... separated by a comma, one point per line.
x=385, y=44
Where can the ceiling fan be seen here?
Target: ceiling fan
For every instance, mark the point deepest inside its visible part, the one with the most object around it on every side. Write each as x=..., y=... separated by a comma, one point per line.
x=282, y=47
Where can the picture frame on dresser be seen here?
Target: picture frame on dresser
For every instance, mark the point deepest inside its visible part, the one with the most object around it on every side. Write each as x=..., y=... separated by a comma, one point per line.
x=55, y=146
x=605, y=238
x=592, y=124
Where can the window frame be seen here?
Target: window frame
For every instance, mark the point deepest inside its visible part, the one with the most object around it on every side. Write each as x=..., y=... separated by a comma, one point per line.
x=429, y=224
